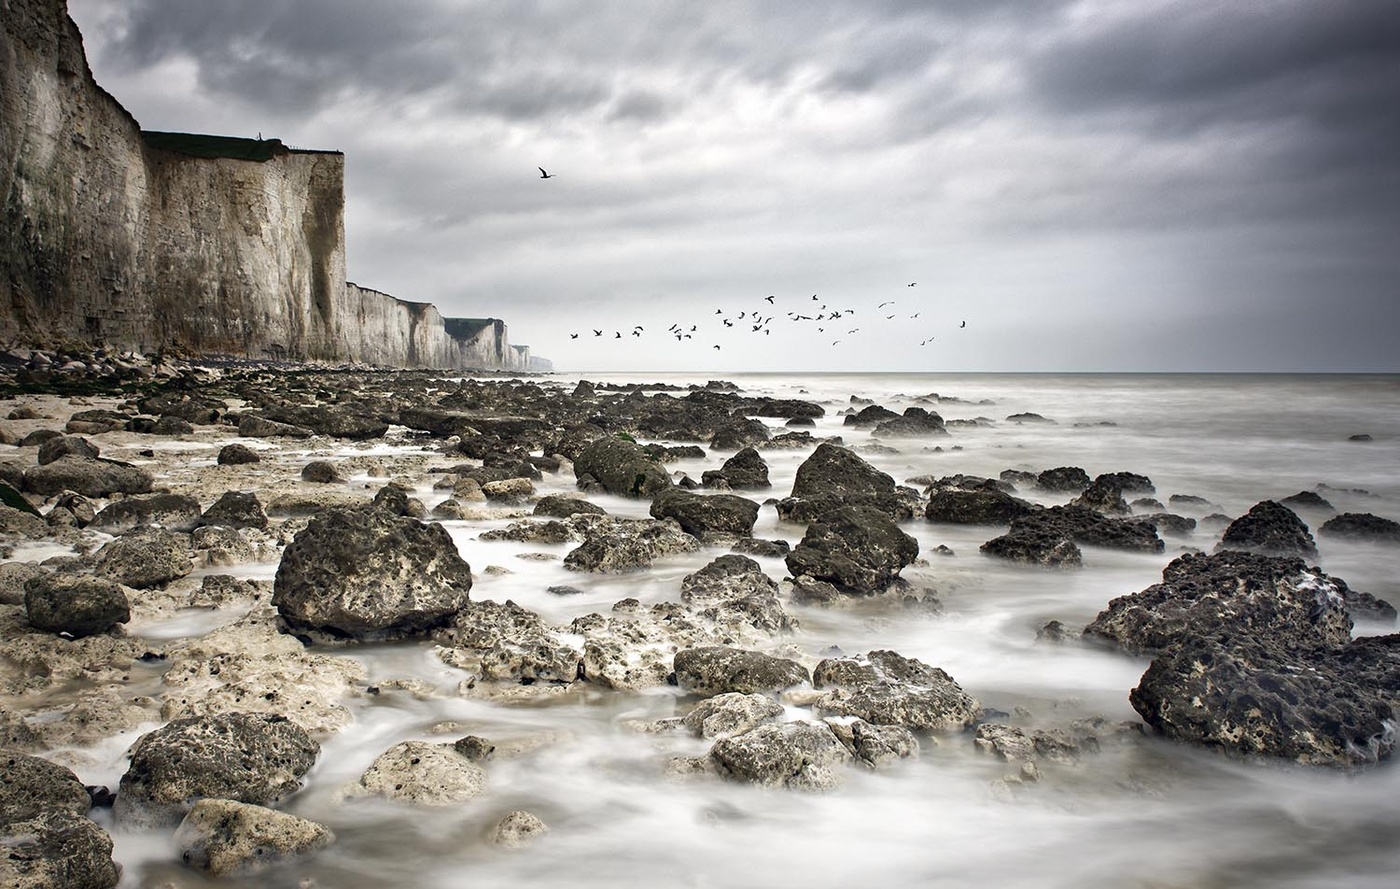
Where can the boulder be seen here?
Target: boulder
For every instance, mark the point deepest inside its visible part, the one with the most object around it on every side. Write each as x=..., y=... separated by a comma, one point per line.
x=731, y=713
x=1235, y=594
x=614, y=546
x=34, y=786
x=744, y=470
x=227, y=838
x=1085, y=527
x=859, y=549
x=875, y=746
x=734, y=588
x=987, y=506
x=248, y=757
x=797, y=755
x=368, y=573
x=75, y=605
x=916, y=422
x=236, y=509
x=886, y=688
x=1104, y=495
x=1361, y=526
x=517, y=829
x=237, y=455
x=65, y=446
x=870, y=415
x=22, y=523
x=351, y=422
x=176, y=512
x=321, y=472
x=56, y=849
x=714, y=670
x=91, y=477
x=254, y=426
x=425, y=774
x=560, y=507
x=146, y=558
x=705, y=515
x=508, y=490
x=1318, y=705
x=1269, y=529
x=1046, y=547
x=1066, y=479
x=741, y=433
x=621, y=467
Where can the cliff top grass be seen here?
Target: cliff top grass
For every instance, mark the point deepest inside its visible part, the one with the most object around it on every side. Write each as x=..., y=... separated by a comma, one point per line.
x=199, y=145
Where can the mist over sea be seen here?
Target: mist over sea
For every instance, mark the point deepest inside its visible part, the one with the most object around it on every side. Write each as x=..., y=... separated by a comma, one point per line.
x=1147, y=813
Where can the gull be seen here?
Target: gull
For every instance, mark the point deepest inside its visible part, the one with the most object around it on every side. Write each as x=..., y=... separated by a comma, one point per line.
x=573, y=336
x=716, y=345
x=597, y=333
x=888, y=317
x=964, y=324
x=719, y=311
x=885, y=303
x=617, y=334
x=637, y=332
x=911, y=284
x=770, y=300
x=543, y=174
x=727, y=322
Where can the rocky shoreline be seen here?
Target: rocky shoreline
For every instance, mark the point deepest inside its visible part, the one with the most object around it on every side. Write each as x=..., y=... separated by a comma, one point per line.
x=231, y=466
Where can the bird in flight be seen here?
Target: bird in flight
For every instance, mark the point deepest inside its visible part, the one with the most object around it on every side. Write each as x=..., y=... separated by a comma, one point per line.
x=543, y=174
x=716, y=345
x=964, y=324
x=573, y=336
x=597, y=333
x=911, y=284
x=770, y=299
x=885, y=303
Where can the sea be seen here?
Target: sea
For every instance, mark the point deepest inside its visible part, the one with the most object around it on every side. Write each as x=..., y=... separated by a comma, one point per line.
x=1149, y=813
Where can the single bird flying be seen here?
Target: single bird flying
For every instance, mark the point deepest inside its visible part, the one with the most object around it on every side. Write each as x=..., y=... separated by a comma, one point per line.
x=543, y=174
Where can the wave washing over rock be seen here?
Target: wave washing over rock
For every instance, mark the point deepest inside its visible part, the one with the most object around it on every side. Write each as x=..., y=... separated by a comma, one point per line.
x=185, y=244
x=362, y=628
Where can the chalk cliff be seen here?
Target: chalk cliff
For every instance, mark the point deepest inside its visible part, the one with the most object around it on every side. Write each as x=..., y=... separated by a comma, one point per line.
x=210, y=245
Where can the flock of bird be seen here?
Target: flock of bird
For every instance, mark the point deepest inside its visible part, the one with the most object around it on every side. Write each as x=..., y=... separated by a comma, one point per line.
x=822, y=318
x=827, y=320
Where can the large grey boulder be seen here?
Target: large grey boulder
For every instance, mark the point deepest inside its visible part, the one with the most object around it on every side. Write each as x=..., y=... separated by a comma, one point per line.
x=983, y=506
x=367, y=573
x=714, y=670
x=797, y=755
x=1041, y=536
x=833, y=477
x=224, y=837
x=734, y=587
x=1361, y=526
x=146, y=558
x=1235, y=594
x=236, y=509
x=745, y=469
x=66, y=445
x=731, y=713
x=176, y=512
x=425, y=774
x=1269, y=529
x=560, y=507
x=886, y=688
x=75, y=605
x=858, y=549
x=91, y=477
x=46, y=839
x=615, y=546
x=1327, y=706
x=249, y=757
x=621, y=467
x=706, y=515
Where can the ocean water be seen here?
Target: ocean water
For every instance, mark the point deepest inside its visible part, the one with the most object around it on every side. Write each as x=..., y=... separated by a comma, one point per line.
x=1147, y=813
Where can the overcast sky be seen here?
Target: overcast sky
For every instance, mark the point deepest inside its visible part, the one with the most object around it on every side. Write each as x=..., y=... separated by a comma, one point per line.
x=1129, y=185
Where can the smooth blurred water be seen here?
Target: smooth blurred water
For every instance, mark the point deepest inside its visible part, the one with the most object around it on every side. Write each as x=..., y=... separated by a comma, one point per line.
x=1146, y=814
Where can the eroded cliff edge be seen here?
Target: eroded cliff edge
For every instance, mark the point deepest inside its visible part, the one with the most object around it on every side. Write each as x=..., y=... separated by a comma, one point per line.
x=208, y=245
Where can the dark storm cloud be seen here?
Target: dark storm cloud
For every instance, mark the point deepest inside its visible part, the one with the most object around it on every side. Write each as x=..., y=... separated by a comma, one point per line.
x=1326, y=76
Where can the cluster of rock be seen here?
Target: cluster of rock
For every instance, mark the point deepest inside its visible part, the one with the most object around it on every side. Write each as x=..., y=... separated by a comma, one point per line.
x=1253, y=649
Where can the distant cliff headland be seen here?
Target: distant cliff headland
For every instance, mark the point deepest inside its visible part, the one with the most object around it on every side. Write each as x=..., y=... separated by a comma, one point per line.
x=203, y=245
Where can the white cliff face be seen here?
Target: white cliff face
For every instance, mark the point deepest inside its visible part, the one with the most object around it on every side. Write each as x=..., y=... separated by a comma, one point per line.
x=111, y=236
